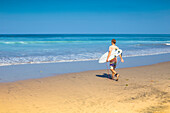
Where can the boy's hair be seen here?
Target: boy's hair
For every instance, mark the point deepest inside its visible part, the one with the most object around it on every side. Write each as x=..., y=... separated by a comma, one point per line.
x=114, y=41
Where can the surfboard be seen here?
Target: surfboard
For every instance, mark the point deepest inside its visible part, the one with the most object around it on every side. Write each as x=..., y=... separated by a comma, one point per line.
x=114, y=54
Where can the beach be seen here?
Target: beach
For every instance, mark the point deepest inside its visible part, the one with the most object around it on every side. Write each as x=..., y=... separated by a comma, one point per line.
x=58, y=56
x=143, y=89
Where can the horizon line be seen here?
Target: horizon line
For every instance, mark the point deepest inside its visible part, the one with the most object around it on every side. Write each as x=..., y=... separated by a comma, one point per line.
x=90, y=34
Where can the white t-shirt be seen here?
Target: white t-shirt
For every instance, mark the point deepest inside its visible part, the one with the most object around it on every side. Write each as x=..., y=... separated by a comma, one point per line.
x=113, y=47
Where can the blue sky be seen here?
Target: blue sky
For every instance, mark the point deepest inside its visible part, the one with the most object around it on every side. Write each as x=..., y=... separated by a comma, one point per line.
x=84, y=16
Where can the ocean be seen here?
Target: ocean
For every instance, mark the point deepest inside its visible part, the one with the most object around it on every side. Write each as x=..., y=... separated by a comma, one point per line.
x=49, y=48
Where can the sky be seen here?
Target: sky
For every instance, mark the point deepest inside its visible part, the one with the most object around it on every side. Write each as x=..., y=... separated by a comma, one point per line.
x=84, y=16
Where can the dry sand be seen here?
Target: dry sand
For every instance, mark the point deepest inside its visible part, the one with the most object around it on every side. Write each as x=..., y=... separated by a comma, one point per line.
x=142, y=89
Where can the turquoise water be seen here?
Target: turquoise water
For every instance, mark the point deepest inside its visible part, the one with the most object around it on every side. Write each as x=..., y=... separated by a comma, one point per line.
x=25, y=49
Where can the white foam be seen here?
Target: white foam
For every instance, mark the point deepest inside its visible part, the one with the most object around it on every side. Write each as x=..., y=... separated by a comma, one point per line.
x=47, y=62
x=4, y=61
x=167, y=44
x=76, y=60
x=146, y=54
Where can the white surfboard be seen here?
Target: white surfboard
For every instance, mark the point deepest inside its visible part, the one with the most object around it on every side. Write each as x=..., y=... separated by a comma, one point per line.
x=114, y=54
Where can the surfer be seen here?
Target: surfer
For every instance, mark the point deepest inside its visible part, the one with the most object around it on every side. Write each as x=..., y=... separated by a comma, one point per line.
x=114, y=60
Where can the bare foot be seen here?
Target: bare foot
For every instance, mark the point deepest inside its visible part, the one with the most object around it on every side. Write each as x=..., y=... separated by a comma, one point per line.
x=117, y=77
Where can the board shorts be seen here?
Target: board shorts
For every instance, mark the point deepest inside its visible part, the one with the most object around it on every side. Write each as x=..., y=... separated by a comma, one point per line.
x=113, y=63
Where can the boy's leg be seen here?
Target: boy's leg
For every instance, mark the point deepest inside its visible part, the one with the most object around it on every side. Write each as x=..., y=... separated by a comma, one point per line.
x=113, y=73
x=117, y=77
x=112, y=68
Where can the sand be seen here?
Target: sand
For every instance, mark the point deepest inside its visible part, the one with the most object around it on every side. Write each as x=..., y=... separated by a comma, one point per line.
x=143, y=89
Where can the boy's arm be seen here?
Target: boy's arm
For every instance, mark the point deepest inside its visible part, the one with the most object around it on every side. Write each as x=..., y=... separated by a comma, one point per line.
x=121, y=58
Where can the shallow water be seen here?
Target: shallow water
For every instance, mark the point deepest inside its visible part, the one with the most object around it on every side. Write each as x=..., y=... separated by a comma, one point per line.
x=31, y=71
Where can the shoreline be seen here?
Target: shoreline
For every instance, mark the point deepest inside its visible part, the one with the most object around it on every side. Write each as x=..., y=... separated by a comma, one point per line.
x=139, y=90
x=32, y=71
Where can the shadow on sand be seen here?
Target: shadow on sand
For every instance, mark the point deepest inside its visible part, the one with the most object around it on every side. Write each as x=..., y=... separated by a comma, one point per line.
x=105, y=75
x=108, y=76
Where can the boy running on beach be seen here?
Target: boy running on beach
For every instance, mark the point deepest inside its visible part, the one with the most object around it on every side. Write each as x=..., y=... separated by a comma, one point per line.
x=114, y=60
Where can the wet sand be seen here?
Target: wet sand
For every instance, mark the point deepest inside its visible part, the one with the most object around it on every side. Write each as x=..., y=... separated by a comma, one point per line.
x=143, y=89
